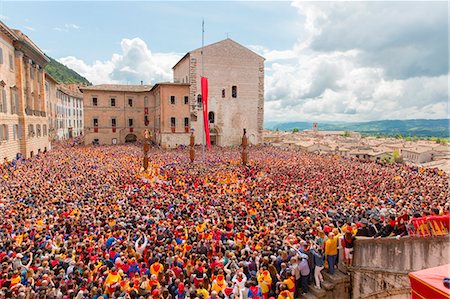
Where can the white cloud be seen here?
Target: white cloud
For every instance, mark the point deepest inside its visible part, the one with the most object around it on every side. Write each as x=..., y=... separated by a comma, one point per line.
x=29, y=28
x=97, y=73
x=136, y=62
x=67, y=28
x=361, y=61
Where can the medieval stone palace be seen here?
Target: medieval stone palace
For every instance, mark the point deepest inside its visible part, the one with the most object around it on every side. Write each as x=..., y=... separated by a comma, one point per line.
x=116, y=114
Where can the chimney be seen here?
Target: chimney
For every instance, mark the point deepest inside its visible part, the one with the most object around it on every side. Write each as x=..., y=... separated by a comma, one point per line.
x=142, y=82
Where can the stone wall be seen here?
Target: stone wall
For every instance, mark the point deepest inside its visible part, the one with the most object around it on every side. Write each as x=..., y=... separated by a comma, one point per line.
x=171, y=140
x=381, y=266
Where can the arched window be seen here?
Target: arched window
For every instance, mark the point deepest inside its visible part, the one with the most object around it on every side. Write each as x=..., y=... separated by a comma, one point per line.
x=211, y=117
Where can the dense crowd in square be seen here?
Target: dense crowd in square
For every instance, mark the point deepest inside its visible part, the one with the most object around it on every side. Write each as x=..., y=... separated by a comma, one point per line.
x=85, y=222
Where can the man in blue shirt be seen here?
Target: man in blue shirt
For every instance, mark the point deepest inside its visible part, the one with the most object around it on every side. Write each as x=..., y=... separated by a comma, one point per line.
x=304, y=272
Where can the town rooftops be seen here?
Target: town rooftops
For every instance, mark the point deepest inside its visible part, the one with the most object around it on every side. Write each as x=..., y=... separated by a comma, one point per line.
x=170, y=84
x=417, y=150
x=70, y=92
x=117, y=87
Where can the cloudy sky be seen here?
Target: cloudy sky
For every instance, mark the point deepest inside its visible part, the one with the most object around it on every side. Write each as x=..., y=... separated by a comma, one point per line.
x=325, y=61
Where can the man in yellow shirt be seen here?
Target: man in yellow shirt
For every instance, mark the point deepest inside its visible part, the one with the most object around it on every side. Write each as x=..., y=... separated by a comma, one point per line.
x=331, y=251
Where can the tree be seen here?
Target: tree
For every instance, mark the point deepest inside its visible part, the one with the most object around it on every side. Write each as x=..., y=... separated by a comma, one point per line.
x=346, y=134
x=397, y=157
x=295, y=130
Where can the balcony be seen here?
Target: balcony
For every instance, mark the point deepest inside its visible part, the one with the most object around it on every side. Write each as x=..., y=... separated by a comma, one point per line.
x=131, y=130
x=114, y=130
x=186, y=129
x=95, y=130
x=173, y=129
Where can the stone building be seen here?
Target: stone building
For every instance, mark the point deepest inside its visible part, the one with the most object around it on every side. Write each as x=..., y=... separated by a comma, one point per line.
x=115, y=114
x=23, y=120
x=52, y=102
x=170, y=114
x=236, y=91
x=70, y=119
x=64, y=110
x=171, y=110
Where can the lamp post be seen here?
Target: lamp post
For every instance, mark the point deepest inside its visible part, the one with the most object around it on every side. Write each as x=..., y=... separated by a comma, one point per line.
x=244, y=148
x=146, y=148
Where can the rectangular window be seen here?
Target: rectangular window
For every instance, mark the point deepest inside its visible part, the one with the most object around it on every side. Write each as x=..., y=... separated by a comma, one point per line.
x=16, y=102
x=15, y=129
x=172, y=122
x=1, y=101
x=130, y=122
x=5, y=132
x=146, y=122
x=130, y=102
x=223, y=93
x=172, y=100
x=113, y=122
x=113, y=102
x=11, y=62
x=5, y=109
x=19, y=131
x=234, y=91
x=94, y=102
x=44, y=130
x=95, y=122
x=30, y=131
x=186, y=100
x=12, y=103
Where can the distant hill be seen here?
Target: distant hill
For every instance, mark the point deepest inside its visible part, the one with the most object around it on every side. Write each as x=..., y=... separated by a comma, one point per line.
x=63, y=74
x=405, y=128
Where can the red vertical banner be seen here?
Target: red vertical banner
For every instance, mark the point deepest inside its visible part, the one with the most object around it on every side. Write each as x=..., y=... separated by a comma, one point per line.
x=204, y=86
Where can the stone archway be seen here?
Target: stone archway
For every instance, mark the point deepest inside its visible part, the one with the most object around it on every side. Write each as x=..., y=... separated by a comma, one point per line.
x=130, y=138
x=215, y=134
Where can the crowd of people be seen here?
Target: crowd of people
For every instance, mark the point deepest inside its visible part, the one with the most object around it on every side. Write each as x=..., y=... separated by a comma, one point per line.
x=84, y=222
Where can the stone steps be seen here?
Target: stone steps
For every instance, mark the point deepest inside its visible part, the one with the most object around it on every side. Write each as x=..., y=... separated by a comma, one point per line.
x=337, y=277
x=318, y=293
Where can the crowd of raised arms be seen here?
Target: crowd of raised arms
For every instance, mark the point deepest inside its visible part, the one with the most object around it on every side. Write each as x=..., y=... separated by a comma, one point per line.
x=81, y=222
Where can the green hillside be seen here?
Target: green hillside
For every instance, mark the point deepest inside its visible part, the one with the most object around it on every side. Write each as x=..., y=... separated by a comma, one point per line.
x=63, y=74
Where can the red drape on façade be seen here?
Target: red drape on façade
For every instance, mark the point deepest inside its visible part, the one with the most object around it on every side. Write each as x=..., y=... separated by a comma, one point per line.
x=204, y=86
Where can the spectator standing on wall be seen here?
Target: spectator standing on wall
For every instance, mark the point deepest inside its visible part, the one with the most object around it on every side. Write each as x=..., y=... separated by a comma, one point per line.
x=348, y=244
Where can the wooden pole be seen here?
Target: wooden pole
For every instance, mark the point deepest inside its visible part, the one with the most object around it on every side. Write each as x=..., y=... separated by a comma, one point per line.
x=146, y=148
x=244, y=148
x=192, y=148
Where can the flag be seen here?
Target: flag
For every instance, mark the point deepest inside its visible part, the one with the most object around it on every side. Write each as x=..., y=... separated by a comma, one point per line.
x=204, y=86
